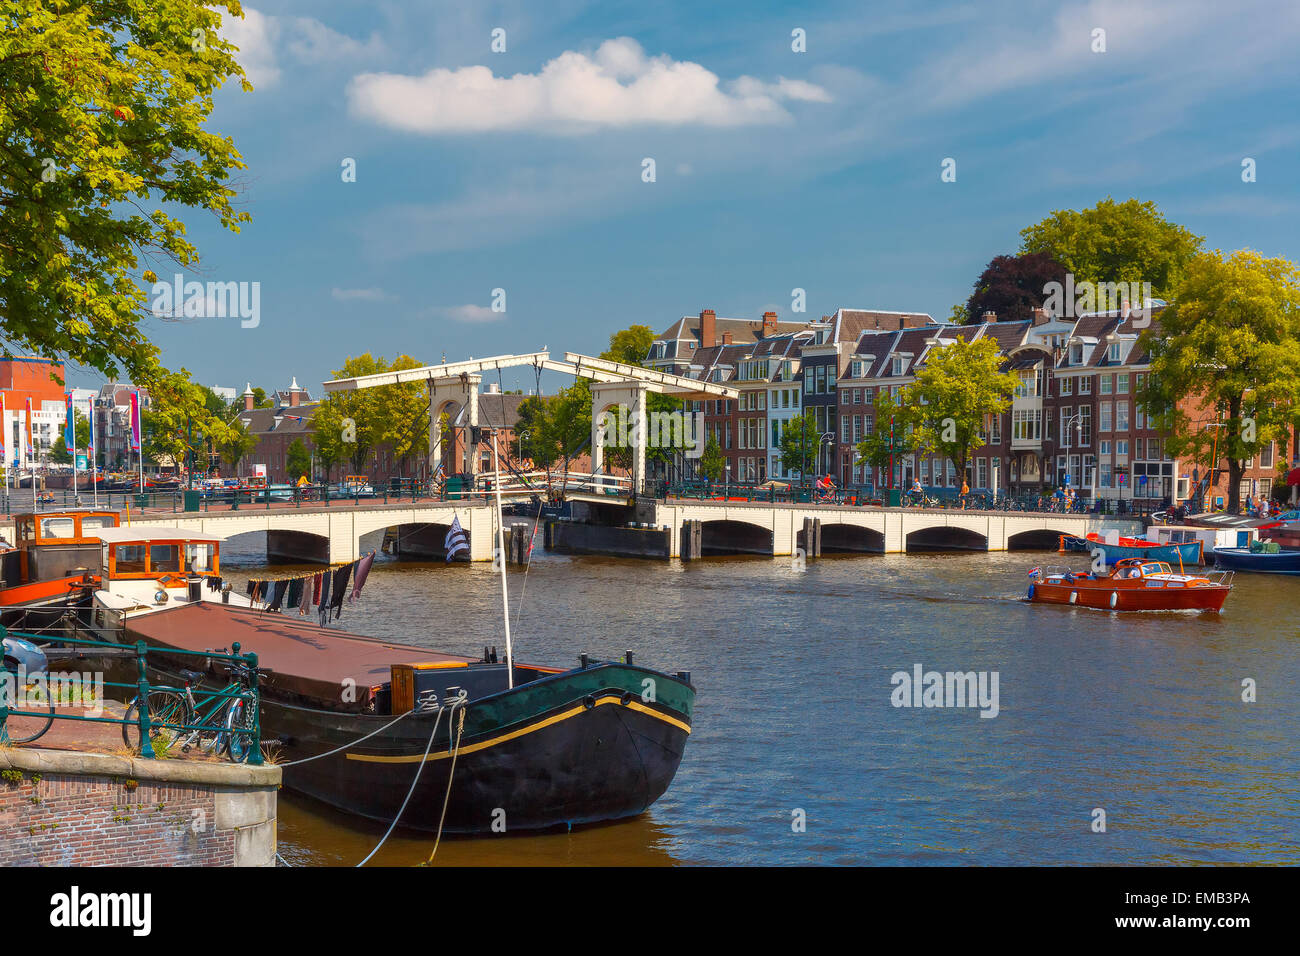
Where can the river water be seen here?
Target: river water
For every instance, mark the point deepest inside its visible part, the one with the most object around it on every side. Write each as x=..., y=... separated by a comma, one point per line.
x=1140, y=716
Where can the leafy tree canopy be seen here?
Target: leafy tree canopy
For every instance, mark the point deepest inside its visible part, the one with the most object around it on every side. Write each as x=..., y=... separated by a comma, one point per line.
x=1013, y=286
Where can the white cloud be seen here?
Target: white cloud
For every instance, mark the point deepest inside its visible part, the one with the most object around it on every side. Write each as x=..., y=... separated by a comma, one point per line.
x=470, y=313
x=306, y=41
x=359, y=295
x=617, y=86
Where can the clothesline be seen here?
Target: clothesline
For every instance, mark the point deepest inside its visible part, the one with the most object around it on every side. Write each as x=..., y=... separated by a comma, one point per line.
x=325, y=592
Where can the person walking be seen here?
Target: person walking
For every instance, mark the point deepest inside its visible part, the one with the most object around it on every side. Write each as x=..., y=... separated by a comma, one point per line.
x=965, y=490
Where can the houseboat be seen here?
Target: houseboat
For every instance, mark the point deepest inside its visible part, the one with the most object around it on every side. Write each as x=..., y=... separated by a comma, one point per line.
x=1114, y=548
x=51, y=565
x=1133, y=584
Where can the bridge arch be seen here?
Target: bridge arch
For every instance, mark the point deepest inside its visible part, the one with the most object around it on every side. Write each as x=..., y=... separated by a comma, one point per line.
x=948, y=537
x=729, y=536
x=1036, y=539
x=848, y=538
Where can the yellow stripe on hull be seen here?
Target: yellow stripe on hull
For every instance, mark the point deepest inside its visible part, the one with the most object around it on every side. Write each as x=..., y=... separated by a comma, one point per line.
x=483, y=745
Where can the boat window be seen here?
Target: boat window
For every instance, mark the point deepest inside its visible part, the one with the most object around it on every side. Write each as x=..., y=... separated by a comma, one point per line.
x=198, y=557
x=93, y=522
x=130, y=557
x=26, y=529
x=1150, y=569
x=58, y=528
x=164, y=557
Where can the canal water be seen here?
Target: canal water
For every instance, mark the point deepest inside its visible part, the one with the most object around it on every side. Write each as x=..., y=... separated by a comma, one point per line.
x=1139, y=717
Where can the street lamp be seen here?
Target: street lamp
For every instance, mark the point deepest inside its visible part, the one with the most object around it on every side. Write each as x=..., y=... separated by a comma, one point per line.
x=1077, y=421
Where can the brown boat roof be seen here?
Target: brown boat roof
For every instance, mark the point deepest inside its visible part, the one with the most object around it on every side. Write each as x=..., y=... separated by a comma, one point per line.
x=305, y=659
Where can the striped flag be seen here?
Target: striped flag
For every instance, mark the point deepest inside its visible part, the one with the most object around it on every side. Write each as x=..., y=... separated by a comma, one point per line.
x=456, y=540
x=31, y=448
x=4, y=430
x=70, y=429
x=135, y=420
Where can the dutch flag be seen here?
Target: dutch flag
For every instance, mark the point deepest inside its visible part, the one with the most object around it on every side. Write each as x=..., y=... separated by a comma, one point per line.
x=456, y=540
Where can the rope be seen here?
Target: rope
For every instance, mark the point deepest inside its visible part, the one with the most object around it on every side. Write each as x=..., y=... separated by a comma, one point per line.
x=523, y=588
x=418, y=770
x=294, y=763
x=451, y=775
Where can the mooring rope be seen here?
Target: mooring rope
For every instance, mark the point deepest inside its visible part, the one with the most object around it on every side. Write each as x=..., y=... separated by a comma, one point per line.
x=418, y=770
x=451, y=775
x=347, y=746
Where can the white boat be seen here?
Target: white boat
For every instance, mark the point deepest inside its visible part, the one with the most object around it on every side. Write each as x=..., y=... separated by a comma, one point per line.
x=144, y=570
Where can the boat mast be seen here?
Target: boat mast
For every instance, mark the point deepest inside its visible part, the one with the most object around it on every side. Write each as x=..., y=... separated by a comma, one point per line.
x=501, y=543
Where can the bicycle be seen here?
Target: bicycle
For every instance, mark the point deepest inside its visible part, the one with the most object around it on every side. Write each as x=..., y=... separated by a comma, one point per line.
x=221, y=722
x=31, y=691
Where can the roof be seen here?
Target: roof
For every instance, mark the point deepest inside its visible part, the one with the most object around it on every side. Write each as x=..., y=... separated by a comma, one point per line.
x=282, y=420
x=151, y=533
x=499, y=409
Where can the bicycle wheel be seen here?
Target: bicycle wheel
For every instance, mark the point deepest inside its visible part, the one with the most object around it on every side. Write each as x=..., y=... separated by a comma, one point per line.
x=165, y=707
x=241, y=717
x=28, y=720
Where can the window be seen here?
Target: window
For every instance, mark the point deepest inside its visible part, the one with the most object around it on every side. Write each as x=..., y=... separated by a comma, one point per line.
x=1104, y=480
x=1121, y=384
x=846, y=426
x=1067, y=386
x=1106, y=382
x=1103, y=448
x=1027, y=387
x=1105, y=417
x=1026, y=424
x=1112, y=354
x=1085, y=426
x=1121, y=416
x=925, y=471
x=1076, y=354
x=996, y=437
x=57, y=527
x=130, y=557
x=1085, y=385
x=1066, y=414
x=981, y=473
x=855, y=369
x=1121, y=449
x=198, y=557
x=896, y=366
x=1266, y=456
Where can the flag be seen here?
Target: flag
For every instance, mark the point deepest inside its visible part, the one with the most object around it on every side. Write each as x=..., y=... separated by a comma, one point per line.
x=4, y=430
x=456, y=540
x=31, y=451
x=69, y=430
x=135, y=420
x=90, y=444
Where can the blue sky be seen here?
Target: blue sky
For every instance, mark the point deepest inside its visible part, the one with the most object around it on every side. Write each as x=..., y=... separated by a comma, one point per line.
x=774, y=169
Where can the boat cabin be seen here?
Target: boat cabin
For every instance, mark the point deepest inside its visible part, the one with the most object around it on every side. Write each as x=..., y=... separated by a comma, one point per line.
x=165, y=555
x=49, y=550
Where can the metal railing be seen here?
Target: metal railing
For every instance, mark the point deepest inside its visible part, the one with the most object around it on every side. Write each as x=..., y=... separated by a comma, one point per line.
x=142, y=687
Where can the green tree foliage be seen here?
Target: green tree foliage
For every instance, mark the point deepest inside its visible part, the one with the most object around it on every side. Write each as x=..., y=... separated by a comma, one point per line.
x=797, y=446
x=1227, y=353
x=235, y=445
x=711, y=461
x=348, y=426
x=629, y=346
x=891, y=435
x=179, y=421
x=1128, y=241
x=102, y=112
x=298, y=460
x=958, y=389
x=260, y=398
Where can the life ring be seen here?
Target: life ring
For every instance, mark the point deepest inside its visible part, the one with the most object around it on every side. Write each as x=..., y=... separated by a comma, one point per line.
x=1074, y=596
x=1114, y=599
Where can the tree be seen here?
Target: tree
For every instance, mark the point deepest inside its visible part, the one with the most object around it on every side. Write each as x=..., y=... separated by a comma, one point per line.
x=1225, y=361
x=260, y=399
x=959, y=315
x=799, y=442
x=1129, y=241
x=711, y=460
x=348, y=426
x=102, y=112
x=81, y=438
x=630, y=346
x=960, y=386
x=890, y=436
x=235, y=446
x=297, y=460
x=178, y=423
x=1013, y=286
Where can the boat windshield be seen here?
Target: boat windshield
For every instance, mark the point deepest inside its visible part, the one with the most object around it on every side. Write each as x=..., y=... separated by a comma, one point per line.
x=1155, y=568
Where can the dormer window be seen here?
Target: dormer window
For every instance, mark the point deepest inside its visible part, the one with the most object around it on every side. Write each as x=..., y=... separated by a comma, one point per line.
x=1113, y=354
x=896, y=365
x=1076, y=354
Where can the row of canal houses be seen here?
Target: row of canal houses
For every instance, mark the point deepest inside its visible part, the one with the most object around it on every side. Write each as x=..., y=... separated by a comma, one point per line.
x=1074, y=418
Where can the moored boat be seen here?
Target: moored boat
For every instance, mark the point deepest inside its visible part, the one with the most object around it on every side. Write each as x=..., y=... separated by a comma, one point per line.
x=1185, y=552
x=1132, y=585
x=52, y=565
x=1267, y=561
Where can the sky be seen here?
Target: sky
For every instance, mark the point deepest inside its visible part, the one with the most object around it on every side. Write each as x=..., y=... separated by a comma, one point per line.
x=775, y=168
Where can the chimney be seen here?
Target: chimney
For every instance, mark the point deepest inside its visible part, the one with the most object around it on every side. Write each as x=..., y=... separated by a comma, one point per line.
x=989, y=316
x=248, y=397
x=769, y=323
x=708, y=329
x=726, y=338
x=1041, y=317
x=295, y=394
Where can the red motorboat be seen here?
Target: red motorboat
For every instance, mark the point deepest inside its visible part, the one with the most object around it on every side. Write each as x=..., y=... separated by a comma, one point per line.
x=1132, y=585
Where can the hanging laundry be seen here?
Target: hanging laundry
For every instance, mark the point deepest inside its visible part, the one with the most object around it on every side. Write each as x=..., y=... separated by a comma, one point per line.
x=324, y=604
x=295, y=593
x=363, y=569
x=250, y=588
x=339, y=589
x=280, y=589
